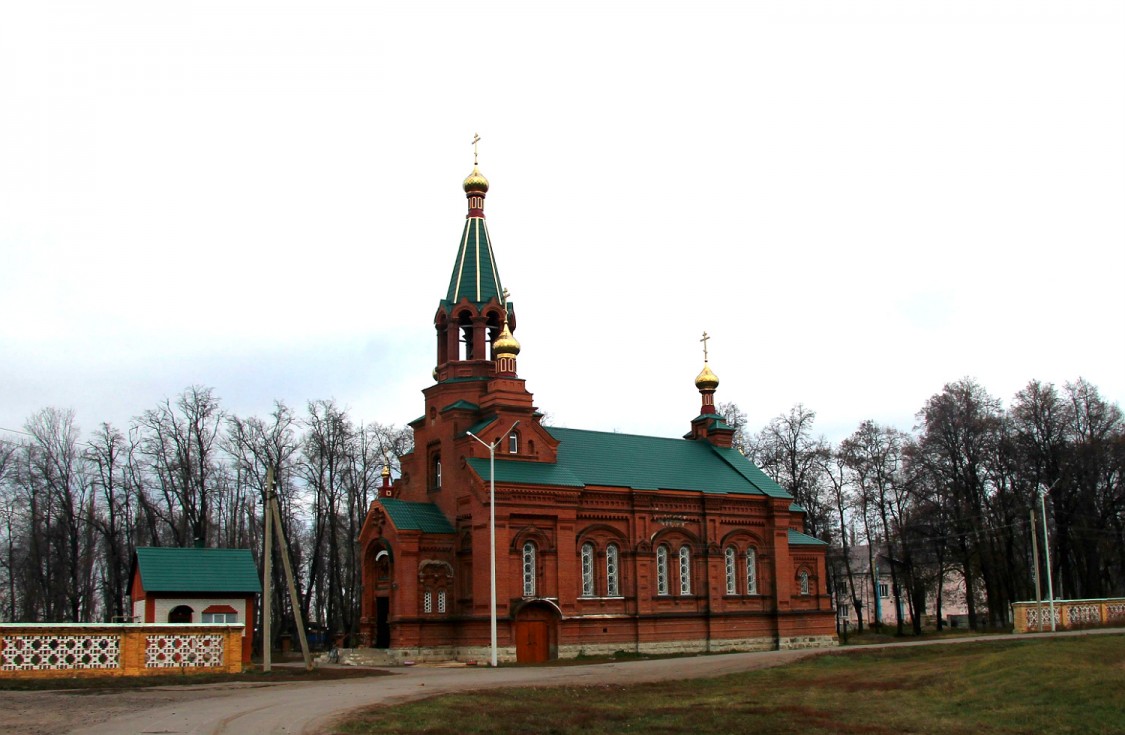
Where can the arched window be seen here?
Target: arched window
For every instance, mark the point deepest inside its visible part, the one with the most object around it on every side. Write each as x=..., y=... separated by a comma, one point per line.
x=513, y=443
x=428, y=602
x=436, y=484
x=685, y=570
x=529, y=569
x=729, y=559
x=441, y=601
x=587, y=569
x=612, y=572
x=804, y=582
x=662, y=570
x=751, y=572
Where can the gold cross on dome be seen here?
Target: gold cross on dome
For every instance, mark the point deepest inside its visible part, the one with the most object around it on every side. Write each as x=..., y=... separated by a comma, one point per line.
x=704, y=341
x=476, y=139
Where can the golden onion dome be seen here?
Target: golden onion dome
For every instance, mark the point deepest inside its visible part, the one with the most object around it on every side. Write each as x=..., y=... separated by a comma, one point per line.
x=506, y=344
x=476, y=181
x=706, y=380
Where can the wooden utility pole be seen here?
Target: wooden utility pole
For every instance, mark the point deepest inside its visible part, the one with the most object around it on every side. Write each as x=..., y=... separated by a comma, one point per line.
x=293, y=599
x=272, y=517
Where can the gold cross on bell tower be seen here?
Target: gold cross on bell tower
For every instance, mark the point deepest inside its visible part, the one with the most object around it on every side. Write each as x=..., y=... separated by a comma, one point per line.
x=704, y=341
x=476, y=139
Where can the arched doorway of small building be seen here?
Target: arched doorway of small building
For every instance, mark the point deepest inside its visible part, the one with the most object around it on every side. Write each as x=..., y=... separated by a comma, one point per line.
x=180, y=614
x=537, y=631
x=383, y=577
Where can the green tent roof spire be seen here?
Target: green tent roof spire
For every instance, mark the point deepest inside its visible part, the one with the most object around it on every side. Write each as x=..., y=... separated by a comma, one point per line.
x=474, y=274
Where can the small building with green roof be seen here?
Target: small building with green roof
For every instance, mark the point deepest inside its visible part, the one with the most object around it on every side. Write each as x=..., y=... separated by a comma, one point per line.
x=196, y=585
x=603, y=541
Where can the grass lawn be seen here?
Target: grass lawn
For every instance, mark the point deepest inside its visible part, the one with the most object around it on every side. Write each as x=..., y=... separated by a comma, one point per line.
x=1059, y=685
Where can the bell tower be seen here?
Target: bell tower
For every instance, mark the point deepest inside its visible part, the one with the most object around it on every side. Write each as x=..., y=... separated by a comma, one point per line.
x=475, y=311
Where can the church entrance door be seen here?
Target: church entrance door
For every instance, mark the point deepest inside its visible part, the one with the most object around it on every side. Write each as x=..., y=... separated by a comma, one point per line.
x=536, y=631
x=382, y=624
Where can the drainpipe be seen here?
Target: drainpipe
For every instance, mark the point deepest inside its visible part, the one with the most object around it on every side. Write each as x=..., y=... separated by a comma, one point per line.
x=878, y=598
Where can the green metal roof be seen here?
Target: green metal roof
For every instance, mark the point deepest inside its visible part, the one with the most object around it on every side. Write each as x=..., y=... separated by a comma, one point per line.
x=796, y=538
x=639, y=462
x=167, y=569
x=480, y=426
x=424, y=517
x=474, y=273
x=530, y=473
x=461, y=405
x=752, y=472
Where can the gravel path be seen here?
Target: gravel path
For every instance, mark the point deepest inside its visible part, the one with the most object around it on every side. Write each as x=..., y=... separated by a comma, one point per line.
x=307, y=707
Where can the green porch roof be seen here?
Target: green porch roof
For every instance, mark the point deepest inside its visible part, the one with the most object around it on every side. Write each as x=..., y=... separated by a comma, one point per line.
x=461, y=406
x=479, y=426
x=168, y=569
x=424, y=517
x=638, y=462
x=796, y=538
x=474, y=273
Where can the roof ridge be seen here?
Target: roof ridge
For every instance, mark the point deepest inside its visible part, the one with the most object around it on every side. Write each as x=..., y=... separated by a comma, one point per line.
x=615, y=433
x=724, y=453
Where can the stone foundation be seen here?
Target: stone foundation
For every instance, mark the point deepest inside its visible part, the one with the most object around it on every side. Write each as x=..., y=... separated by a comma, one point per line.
x=806, y=641
x=482, y=655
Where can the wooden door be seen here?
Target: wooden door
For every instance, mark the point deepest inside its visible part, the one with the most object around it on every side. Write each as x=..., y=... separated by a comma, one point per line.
x=382, y=622
x=180, y=614
x=533, y=641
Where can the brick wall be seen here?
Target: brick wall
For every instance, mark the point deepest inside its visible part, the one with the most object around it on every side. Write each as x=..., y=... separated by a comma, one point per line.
x=1030, y=617
x=125, y=649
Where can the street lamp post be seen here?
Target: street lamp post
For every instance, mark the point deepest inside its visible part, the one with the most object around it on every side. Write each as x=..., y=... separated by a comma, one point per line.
x=1047, y=551
x=492, y=525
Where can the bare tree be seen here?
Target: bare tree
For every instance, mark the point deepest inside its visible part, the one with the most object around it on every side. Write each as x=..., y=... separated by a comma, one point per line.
x=874, y=454
x=735, y=418
x=960, y=437
x=787, y=451
x=62, y=501
x=179, y=444
x=115, y=521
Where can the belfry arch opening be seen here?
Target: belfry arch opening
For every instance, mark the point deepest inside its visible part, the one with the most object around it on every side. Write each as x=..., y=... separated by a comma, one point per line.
x=493, y=325
x=466, y=350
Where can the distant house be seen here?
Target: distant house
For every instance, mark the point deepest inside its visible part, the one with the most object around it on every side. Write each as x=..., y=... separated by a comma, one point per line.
x=173, y=585
x=871, y=575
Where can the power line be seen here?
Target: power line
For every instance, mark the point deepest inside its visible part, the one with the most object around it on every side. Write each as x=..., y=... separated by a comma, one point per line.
x=17, y=431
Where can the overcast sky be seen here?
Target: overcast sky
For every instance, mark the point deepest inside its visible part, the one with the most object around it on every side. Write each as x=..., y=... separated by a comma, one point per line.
x=859, y=201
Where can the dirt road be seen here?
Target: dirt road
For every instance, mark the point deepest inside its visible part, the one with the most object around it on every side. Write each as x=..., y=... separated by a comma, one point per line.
x=308, y=707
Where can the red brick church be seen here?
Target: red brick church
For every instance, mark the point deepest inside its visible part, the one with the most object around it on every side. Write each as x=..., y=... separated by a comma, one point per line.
x=604, y=541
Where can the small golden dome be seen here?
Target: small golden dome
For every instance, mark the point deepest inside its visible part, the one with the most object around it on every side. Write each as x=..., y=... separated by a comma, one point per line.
x=386, y=470
x=506, y=344
x=706, y=380
x=476, y=182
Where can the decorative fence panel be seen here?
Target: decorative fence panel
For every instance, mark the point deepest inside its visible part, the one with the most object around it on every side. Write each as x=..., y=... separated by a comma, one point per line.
x=175, y=651
x=127, y=649
x=1031, y=617
x=48, y=652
